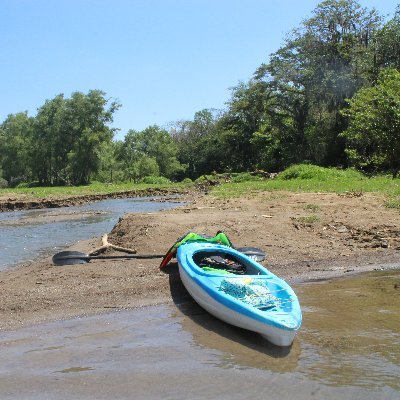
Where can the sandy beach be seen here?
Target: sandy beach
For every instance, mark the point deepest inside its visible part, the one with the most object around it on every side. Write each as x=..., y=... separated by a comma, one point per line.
x=306, y=236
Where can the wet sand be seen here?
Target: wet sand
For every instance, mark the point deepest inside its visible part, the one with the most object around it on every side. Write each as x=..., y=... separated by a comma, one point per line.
x=348, y=235
x=348, y=347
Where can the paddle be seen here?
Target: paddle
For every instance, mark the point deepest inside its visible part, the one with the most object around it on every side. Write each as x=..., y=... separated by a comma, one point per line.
x=253, y=252
x=76, y=257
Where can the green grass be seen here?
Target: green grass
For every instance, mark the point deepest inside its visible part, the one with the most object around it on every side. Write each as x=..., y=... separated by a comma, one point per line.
x=309, y=178
x=309, y=219
x=312, y=207
x=298, y=178
x=393, y=203
x=94, y=188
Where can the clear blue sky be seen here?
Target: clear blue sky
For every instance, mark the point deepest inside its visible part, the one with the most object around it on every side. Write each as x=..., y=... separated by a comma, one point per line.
x=162, y=59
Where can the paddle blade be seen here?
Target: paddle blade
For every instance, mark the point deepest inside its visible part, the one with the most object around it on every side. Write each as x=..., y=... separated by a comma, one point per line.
x=253, y=252
x=70, y=258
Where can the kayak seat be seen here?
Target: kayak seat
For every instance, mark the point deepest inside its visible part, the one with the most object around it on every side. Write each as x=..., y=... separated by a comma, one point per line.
x=217, y=262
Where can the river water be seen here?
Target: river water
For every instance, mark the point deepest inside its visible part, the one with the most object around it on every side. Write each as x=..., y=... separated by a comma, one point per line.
x=347, y=348
x=33, y=234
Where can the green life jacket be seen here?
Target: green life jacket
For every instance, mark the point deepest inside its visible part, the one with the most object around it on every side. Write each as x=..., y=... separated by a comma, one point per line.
x=219, y=238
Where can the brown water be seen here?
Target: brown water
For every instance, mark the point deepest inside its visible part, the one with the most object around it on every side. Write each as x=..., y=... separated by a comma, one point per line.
x=348, y=347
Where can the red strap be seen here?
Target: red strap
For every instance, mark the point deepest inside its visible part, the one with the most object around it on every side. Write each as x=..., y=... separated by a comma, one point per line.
x=166, y=259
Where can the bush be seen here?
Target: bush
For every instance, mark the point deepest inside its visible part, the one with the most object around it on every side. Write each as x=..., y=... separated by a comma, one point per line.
x=203, y=178
x=245, y=177
x=22, y=185
x=3, y=183
x=187, y=181
x=304, y=171
x=155, y=180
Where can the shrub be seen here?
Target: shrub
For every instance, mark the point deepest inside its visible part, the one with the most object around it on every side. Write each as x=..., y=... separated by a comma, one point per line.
x=312, y=207
x=305, y=171
x=203, y=178
x=22, y=185
x=393, y=203
x=309, y=219
x=155, y=180
x=245, y=177
x=3, y=183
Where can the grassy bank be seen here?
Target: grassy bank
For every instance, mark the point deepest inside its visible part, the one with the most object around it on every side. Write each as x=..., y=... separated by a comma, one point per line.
x=298, y=178
x=92, y=189
x=309, y=178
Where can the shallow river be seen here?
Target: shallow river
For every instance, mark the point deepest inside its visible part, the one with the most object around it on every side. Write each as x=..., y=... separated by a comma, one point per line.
x=32, y=234
x=347, y=348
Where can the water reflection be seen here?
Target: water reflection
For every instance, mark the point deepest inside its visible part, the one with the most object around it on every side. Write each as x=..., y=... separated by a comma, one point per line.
x=239, y=348
x=351, y=331
x=350, y=334
x=32, y=234
x=348, y=347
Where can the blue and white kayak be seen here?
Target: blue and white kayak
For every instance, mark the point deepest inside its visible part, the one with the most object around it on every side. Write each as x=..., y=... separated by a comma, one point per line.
x=238, y=290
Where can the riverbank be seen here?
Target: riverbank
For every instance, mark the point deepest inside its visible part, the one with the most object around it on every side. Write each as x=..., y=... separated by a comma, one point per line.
x=306, y=236
x=20, y=201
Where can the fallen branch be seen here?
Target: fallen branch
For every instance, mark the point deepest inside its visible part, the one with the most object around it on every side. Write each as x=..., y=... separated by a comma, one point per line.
x=106, y=245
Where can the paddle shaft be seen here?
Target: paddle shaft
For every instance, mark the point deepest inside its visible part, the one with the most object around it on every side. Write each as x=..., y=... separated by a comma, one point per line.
x=73, y=257
x=88, y=258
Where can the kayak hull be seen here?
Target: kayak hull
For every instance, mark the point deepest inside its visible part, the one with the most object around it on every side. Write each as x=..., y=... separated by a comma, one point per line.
x=278, y=324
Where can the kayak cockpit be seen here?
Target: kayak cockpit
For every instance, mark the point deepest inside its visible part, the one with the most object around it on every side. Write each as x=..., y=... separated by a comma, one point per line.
x=221, y=262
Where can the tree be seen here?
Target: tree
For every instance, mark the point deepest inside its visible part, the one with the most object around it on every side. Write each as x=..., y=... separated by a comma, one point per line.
x=69, y=134
x=387, y=47
x=322, y=63
x=373, y=135
x=154, y=143
x=147, y=166
x=198, y=143
x=248, y=110
x=110, y=169
x=15, y=147
x=50, y=144
x=157, y=143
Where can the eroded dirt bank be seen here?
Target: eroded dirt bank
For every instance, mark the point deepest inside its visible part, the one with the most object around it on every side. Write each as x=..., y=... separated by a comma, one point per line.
x=306, y=236
x=14, y=203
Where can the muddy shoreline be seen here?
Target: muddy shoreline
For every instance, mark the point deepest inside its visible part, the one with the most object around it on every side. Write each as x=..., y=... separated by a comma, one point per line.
x=307, y=236
x=21, y=203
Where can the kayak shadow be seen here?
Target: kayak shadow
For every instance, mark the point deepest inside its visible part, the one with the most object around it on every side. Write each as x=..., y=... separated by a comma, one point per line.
x=241, y=346
x=179, y=293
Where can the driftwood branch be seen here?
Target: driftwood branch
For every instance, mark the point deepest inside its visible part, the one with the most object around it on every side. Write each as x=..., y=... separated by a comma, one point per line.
x=106, y=245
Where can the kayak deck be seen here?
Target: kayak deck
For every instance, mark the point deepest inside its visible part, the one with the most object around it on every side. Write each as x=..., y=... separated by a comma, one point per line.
x=247, y=295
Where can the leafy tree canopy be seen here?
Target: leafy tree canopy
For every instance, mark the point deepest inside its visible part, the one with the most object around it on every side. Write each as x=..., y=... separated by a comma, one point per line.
x=373, y=135
x=68, y=136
